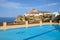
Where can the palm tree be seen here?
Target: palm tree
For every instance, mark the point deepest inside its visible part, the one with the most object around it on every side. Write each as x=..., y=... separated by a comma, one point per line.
x=26, y=18
x=19, y=20
x=47, y=17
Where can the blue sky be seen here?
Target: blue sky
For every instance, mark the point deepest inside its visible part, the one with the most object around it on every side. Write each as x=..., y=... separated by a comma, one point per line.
x=13, y=8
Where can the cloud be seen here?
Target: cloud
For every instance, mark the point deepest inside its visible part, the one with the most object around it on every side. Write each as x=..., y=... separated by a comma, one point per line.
x=7, y=4
x=50, y=4
x=45, y=5
x=42, y=6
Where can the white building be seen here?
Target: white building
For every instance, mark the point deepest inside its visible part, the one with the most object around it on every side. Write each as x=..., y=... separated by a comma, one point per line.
x=54, y=14
x=35, y=12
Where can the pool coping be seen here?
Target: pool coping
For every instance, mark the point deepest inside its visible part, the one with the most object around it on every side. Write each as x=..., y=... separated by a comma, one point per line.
x=26, y=26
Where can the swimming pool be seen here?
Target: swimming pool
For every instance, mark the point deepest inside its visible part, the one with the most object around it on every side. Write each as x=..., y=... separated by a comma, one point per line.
x=43, y=32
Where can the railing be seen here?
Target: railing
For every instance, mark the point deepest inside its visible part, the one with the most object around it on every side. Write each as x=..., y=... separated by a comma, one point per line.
x=5, y=24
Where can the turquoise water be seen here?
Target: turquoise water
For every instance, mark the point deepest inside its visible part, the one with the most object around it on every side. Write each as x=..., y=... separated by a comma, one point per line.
x=43, y=32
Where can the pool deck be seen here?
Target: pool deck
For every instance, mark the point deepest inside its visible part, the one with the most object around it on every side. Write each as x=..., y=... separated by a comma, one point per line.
x=20, y=26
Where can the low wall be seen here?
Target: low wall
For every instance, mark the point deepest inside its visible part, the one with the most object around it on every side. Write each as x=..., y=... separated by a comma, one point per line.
x=4, y=25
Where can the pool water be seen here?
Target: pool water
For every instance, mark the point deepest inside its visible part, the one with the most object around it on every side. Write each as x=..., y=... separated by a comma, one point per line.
x=43, y=32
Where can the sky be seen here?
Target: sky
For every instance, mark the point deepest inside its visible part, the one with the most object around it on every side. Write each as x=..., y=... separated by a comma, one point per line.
x=13, y=8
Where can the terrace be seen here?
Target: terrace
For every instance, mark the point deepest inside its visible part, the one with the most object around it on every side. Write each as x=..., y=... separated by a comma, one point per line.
x=33, y=17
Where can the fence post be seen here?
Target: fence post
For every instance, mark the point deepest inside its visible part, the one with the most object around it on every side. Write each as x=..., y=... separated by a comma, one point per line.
x=50, y=21
x=26, y=23
x=40, y=21
x=4, y=25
